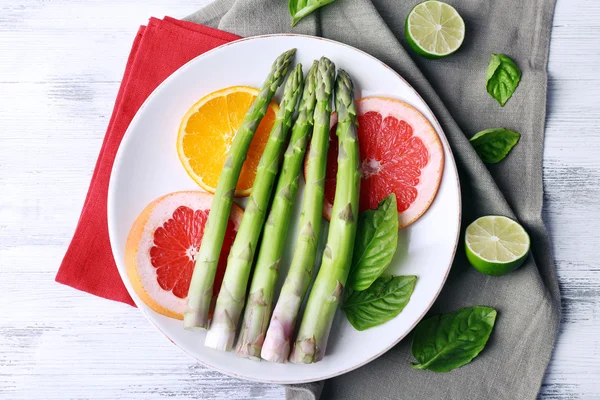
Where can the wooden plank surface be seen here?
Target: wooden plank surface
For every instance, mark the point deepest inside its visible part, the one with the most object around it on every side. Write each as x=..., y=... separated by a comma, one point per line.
x=60, y=66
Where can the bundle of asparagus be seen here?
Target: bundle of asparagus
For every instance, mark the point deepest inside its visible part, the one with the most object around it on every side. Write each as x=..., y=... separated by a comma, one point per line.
x=261, y=335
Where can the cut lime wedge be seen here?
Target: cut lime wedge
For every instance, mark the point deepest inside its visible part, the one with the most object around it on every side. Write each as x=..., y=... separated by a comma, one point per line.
x=434, y=29
x=496, y=245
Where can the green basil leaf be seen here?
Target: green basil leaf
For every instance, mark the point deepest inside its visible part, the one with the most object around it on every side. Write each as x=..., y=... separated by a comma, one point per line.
x=443, y=343
x=384, y=300
x=502, y=78
x=375, y=244
x=493, y=145
x=301, y=8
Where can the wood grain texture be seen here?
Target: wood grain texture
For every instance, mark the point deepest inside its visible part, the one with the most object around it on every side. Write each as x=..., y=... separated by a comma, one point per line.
x=60, y=66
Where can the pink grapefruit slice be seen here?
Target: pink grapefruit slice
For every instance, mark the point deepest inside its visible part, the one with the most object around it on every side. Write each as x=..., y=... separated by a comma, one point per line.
x=400, y=152
x=161, y=249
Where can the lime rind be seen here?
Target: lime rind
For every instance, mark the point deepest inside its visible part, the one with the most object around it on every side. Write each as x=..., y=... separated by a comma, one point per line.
x=435, y=29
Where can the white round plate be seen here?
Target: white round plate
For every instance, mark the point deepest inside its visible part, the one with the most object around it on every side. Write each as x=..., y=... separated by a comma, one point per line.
x=147, y=167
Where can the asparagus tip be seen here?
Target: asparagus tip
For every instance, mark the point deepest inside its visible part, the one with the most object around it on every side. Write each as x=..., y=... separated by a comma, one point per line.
x=344, y=96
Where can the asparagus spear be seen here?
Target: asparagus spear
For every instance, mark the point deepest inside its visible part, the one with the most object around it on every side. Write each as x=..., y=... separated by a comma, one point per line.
x=201, y=286
x=231, y=297
x=337, y=256
x=260, y=299
x=281, y=328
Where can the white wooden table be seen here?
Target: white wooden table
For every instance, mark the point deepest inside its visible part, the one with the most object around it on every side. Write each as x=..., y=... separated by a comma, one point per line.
x=60, y=66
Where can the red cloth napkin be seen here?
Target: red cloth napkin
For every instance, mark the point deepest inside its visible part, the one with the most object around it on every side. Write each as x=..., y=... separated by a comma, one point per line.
x=158, y=50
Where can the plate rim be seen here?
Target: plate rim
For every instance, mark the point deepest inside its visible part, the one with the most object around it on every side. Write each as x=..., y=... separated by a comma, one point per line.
x=118, y=160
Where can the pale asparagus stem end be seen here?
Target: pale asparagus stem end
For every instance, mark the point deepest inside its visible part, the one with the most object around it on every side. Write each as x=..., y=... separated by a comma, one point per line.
x=220, y=336
x=305, y=351
x=278, y=342
x=248, y=345
x=276, y=346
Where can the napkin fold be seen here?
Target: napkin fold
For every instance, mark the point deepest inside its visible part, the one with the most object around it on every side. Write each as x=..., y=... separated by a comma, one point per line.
x=158, y=50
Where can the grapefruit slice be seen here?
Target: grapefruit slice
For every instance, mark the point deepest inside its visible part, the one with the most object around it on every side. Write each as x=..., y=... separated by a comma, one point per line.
x=400, y=152
x=161, y=249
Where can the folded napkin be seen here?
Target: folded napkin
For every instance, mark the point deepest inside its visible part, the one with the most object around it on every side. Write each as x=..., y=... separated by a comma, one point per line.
x=528, y=301
x=158, y=50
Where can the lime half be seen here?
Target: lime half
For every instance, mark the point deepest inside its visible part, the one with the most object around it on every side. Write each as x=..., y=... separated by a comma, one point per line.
x=496, y=245
x=434, y=29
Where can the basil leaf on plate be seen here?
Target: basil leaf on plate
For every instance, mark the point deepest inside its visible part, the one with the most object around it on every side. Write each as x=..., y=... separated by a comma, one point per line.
x=384, y=300
x=375, y=244
x=493, y=145
x=301, y=8
x=502, y=78
x=444, y=342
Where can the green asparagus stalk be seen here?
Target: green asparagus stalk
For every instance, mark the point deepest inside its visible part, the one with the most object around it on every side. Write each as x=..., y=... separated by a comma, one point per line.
x=260, y=299
x=337, y=257
x=230, y=301
x=201, y=286
x=281, y=328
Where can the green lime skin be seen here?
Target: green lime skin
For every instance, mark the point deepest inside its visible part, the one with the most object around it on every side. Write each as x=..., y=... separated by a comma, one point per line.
x=491, y=268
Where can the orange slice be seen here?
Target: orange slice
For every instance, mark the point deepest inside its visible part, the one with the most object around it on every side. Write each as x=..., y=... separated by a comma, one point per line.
x=206, y=133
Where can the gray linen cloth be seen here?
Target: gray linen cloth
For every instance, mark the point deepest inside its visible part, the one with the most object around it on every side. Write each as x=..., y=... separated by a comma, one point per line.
x=528, y=301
